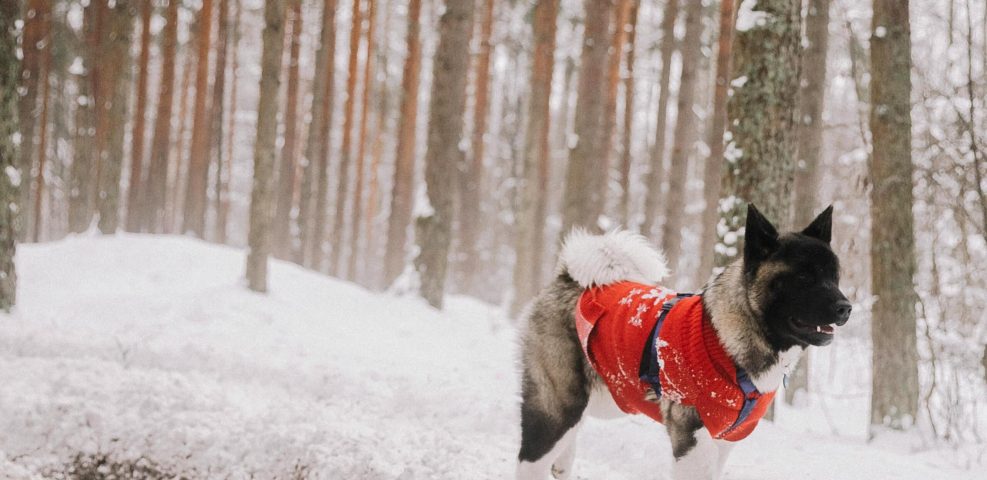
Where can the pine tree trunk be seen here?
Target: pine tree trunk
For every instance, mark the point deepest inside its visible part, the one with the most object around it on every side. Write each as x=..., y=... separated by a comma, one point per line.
x=653, y=179
x=810, y=130
x=761, y=153
x=404, y=161
x=157, y=175
x=713, y=171
x=470, y=185
x=618, y=36
x=262, y=194
x=136, y=183
x=286, y=170
x=372, y=277
x=684, y=137
x=217, y=111
x=36, y=15
x=116, y=81
x=342, y=190
x=312, y=212
x=223, y=188
x=624, y=204
x=585, y=186
x=194, y=218
x=533, y=194
x=9, y=76
x=894, y=396
x=179, y=175
x=82, y=177
x=445, y=130
x=39, y=177
x=361, y=147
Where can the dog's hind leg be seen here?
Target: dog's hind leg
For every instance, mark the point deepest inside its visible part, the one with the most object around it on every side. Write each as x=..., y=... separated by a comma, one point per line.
x=697, y=455
x=548, y=435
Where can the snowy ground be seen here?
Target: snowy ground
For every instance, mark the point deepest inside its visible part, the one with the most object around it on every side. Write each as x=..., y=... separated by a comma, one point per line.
x=150, y=348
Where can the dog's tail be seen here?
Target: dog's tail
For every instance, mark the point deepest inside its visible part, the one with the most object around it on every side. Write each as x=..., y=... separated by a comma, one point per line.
x=595, y=260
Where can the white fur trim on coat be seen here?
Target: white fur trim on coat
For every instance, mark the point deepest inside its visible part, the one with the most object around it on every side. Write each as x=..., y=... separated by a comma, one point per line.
x=618, y=255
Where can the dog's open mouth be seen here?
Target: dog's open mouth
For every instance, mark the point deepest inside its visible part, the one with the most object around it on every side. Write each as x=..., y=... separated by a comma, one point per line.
x=828, y=329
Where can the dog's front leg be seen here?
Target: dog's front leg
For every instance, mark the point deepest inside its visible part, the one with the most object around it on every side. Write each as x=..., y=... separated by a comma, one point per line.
x=697, y=456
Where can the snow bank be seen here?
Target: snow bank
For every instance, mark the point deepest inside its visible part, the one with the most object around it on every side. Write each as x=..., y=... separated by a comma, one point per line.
x=148, y=347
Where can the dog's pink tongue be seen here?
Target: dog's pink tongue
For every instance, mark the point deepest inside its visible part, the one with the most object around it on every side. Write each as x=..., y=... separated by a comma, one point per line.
x=825, y=329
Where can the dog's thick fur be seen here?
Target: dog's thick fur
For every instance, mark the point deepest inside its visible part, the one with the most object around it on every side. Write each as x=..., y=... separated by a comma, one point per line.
x=766, y=308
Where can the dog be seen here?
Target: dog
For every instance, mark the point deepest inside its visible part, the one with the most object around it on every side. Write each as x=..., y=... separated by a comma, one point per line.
x=600, y=340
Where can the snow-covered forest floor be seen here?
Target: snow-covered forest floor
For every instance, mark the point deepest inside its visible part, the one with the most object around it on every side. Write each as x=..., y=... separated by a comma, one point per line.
x=149, y=350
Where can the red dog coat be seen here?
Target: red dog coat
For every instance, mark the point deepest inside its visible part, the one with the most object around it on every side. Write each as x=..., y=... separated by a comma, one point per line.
x=640, y=337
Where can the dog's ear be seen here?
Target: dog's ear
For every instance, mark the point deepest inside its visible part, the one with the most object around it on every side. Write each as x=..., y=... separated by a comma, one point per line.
x=760, y=238
x=822, y=227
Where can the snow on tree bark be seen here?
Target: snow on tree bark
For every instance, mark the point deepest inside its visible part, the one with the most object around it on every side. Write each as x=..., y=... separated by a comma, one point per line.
x=895, y=386
x=194, y=218
x=11, y=180
x=533, y=187
x=585, y=186
x=445, y=132
x=404, y=161
x=82, y=176
x=653, y=181
x=261, y=196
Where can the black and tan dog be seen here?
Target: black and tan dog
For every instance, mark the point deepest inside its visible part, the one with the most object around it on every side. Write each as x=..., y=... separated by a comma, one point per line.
x=761, y=312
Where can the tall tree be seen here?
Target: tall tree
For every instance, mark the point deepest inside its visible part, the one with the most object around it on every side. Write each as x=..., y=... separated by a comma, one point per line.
x=45, y=79
x=37, y=14
x=624, y=203
x=617, y=40
x=194, y=218
x=895, y=386
x=652, y=196
x=810, y=130
x=157, y=175
x=585, y=185
x=342, y=189
x=115, y=85
x=262, y=194
x=404, y=161
x=223, y=177
x=216, y=111
x=713, y=171
x=136, y=183
x=472, y=171
x=445, y=129
x=684, y=136
x=361, y=145
x=761, y=159
x=286, y=169
x=533, y=187
x=9, y=73
x=312, y=212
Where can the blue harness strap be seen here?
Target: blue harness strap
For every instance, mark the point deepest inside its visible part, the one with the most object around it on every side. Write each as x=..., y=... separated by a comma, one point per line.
x=751, y=395
x=649, y=368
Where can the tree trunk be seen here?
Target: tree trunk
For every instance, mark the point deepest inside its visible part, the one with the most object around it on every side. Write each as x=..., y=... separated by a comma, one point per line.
x=217, y=111
x=533, y=186
x=39, y=177
x=761, y=153
x=34, y=42
x=445, y=130
x=339, y=223
x=810, y=130
x=157, y=175
x=894, y=397
x=223, y=189
x=361, y=147
x=312, y=213
x=194, y=218
x=286, y=171
x=617, y=39
x=372, y=278
x=116, y=85
x=684, y=137
x=82, y=176
x=262, y=194
x=624, y=204
x=179, y=177
x=653, y=180
x=136, y=184
x=585, y=186
x=470, y=185
x=713, y=171
x=9, y=76
x=404, y=160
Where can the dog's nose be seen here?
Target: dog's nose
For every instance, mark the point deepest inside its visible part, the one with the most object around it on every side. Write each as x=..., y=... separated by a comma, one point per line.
x=843, y=308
